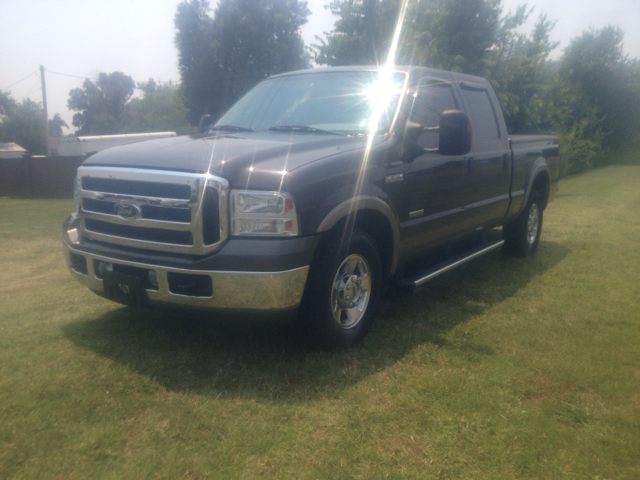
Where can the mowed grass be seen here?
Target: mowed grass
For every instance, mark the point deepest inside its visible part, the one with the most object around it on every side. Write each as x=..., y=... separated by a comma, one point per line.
x=509, y=368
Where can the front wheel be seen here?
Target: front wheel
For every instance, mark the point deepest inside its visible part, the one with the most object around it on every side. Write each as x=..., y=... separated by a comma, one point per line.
x=343, y=291
x=522, y=236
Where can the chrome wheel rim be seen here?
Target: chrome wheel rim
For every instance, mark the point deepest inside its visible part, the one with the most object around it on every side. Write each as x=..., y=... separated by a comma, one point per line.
x=533, y=223
x=350, y=292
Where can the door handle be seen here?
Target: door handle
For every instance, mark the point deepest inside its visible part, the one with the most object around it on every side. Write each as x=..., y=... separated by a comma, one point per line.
x=471, y=165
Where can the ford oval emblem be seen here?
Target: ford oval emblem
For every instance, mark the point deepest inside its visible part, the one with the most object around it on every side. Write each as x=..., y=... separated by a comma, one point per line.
x=127, y=210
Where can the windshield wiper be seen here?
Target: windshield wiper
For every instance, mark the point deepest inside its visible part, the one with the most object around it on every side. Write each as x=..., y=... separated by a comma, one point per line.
x=303, y=129
x=230, y=128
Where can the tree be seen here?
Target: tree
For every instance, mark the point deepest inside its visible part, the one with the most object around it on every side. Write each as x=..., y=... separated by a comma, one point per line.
x=160, y=109
x=55, y=126
x=101, y=104
x=106, y=107
x=362, y=33
x=606, y=86
x=518, y=66
x=24, y=125
x=221, y=57
x=450, y=34
x=196, y=59
x=453, y=35
x=7, y=103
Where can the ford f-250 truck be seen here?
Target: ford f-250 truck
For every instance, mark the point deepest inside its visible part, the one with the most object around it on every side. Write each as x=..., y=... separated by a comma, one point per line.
x=313, y=190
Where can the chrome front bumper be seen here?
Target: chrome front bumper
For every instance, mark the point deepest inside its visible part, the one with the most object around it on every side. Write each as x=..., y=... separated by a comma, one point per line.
x=232, y=290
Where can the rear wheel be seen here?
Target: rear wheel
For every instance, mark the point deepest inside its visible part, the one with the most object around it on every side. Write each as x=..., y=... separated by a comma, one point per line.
x=523, y=234
x=343, y=291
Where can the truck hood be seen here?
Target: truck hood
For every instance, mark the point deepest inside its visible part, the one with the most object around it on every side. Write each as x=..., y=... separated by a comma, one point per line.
x=237, y=157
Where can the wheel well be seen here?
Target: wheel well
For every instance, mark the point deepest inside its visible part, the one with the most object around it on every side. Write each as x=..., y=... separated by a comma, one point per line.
x=542, y=184
x=376, y=225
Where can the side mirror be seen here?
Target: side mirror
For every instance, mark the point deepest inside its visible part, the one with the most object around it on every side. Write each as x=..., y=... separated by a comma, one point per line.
x=455, y=133
x=204, y=123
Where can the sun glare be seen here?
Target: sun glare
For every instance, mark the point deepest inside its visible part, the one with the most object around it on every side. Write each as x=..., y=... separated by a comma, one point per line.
x=384, y=89
x=381, y=93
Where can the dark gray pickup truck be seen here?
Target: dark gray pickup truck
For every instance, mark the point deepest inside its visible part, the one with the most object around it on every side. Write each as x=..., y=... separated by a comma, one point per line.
x=312, y=191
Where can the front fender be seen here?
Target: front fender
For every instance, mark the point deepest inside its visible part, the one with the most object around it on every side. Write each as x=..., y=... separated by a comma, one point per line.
x=348, y=210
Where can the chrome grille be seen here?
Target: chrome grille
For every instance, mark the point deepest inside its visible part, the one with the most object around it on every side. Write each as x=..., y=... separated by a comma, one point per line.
x=170, y=211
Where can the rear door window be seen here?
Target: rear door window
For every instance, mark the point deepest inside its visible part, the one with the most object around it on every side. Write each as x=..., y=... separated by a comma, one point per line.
x=486, y=133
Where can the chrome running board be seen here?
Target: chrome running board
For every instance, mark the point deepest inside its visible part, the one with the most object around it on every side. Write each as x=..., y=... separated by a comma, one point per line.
x=421, y=278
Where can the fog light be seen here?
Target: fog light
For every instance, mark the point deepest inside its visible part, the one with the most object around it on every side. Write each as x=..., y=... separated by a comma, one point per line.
x=104, y=267
x=190, y=285
x=74, y=235
x=152, y=279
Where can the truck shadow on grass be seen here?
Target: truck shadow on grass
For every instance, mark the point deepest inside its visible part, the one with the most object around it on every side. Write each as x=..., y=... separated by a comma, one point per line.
x=266, y=361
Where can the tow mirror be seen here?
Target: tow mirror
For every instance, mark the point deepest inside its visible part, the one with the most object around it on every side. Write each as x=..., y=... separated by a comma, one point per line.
x=205, y=121
x=455, y=133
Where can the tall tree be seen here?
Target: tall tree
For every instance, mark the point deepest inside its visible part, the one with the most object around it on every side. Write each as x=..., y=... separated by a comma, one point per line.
x=101, y=104
x=598, y=90
x=245, y=41
x=450, y=34
x=362, y=33
x=454, y=35
x=196, y=59
x=518, y=66
x=606, y=85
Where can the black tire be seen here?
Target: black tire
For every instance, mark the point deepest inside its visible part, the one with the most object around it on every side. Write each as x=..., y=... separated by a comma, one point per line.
x=343, y=291
x=521, y=237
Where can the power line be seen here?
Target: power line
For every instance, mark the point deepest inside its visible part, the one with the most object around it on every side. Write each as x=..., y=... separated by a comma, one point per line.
x=33, y=89
x=68, y=75
x=7, y=88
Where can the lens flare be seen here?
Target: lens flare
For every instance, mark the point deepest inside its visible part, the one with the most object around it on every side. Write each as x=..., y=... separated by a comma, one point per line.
x=380, y=93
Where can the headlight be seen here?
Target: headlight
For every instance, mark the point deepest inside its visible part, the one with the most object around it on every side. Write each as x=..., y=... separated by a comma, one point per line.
x=263, y=213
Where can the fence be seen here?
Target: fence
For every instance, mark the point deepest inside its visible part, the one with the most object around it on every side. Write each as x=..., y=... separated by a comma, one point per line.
x=38, y=177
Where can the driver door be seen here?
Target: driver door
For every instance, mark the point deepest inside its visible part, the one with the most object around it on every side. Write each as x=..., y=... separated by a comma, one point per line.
x=430, y=193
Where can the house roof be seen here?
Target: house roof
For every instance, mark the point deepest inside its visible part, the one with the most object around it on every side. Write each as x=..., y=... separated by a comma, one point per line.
x=11, y=150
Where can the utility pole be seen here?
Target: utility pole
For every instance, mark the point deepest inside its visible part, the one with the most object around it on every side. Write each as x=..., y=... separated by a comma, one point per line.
x=46, y=118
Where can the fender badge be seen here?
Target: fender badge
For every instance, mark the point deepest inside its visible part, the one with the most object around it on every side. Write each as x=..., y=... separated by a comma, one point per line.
x=127, y=211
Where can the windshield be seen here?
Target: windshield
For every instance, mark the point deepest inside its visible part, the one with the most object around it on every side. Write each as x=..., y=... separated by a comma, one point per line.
x=324, y=102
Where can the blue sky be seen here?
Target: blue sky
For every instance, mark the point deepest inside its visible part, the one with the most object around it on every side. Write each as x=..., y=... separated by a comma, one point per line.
x=84, y=37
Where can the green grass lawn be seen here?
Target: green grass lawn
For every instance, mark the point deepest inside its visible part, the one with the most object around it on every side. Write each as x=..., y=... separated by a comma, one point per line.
x=508, y=368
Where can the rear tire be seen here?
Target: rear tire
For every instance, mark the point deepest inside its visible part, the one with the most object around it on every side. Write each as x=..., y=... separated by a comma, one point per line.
x=343, y=291
x=521, y=237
